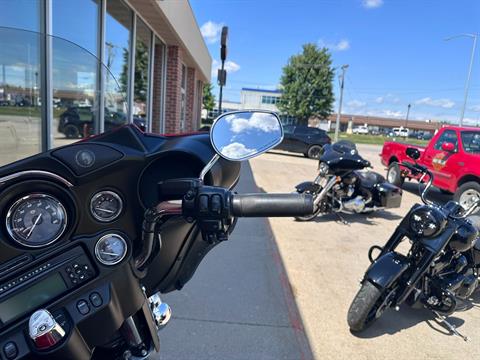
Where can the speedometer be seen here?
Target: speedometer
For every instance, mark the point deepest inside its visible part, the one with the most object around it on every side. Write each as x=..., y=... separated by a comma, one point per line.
x=36, y=220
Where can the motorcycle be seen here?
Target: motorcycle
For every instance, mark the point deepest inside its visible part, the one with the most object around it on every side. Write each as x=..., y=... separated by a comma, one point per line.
x=440, y=268
x=92, y=233
x=340, y=186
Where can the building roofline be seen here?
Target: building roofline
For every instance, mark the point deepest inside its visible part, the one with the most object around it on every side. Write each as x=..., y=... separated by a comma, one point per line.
x=262, y=90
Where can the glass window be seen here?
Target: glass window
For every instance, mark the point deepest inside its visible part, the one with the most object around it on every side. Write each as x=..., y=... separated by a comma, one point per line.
x=448, y=136
x=74, y=70
x=81, y=29
x=142, y=58
x=158, y=73
x=471, y=141
x=20, y=14
x=118, y=24
x=20, y=103
x=288, y=129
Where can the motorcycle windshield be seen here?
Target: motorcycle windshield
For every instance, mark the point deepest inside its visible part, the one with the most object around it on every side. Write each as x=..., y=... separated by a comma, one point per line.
x=76, y=79
x=342, y=155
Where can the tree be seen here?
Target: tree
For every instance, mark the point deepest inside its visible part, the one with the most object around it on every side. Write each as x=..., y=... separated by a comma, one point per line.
x=208, y=97
x=307, y=83
x=141, y=72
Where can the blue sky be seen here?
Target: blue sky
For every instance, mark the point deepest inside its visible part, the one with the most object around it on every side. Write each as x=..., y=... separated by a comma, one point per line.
x=395, y=49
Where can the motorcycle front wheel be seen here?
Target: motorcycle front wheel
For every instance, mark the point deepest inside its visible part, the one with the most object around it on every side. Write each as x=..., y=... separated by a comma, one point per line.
x=310, y=216
x=364, y=308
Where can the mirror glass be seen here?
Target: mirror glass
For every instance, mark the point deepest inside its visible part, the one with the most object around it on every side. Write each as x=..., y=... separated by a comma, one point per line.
x=242, y=135
x=413, y=153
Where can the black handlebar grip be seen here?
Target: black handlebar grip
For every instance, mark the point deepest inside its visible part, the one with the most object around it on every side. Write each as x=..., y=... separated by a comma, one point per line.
x=265, y=205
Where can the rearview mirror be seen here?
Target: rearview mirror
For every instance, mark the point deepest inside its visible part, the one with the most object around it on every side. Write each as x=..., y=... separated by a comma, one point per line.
x=413, y=153
x=448, y=147
x=241, y=135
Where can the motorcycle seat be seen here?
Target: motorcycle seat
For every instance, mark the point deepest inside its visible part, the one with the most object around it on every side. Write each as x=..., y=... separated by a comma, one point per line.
x=369, y=179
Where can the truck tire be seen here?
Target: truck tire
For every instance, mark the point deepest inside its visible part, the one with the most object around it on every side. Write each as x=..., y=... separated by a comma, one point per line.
x=467, y=194
x=394, y=175
x=363, y=308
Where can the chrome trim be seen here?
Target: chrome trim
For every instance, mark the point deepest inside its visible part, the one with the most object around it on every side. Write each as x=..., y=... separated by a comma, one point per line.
x=325, y=190
x=41, y=326
x=7, y=178
x=24, y=198
x=102, y=193
x=209, y=166
x=97, y=251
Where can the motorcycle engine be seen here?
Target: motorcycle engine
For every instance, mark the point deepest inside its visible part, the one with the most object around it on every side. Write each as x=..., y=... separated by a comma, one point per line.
x=344, y=195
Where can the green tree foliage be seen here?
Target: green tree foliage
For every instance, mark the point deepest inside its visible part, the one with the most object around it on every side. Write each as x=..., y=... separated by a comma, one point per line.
x=307, y=83
x=208, y=97
x=141, y=72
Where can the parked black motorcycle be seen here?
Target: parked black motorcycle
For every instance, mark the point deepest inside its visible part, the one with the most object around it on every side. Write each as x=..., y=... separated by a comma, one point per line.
x=440, y=267
x=341, y=187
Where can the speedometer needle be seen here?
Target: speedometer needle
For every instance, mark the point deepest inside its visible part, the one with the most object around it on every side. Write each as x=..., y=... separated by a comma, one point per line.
x=33, y=226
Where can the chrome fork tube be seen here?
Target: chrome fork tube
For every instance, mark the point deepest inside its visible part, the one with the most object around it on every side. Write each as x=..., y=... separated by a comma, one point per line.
x=325, y=190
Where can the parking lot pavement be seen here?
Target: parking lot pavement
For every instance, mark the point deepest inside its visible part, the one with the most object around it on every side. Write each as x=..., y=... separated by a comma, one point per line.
x=239, y=304
x=325, y=260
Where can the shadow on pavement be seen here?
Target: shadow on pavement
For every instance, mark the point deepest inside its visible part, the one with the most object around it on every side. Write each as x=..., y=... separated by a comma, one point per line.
x=239, y=304
x=434, y=194
x=285, y=153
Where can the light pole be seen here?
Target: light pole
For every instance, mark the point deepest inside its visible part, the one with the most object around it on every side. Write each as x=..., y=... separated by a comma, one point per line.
x=342, y=82
x=408, y=113
x=467, y=83
x=222, y=73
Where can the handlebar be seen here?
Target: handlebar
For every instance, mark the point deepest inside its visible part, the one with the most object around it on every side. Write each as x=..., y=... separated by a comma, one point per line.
x=417, y=169
x=265, y=205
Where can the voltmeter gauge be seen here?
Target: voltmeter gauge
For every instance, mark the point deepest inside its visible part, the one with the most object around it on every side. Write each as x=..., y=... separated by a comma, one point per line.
x=106, y=206
x=111, y=249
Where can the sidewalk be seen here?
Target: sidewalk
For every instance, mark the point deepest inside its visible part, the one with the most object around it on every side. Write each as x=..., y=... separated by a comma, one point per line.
x=239, y=303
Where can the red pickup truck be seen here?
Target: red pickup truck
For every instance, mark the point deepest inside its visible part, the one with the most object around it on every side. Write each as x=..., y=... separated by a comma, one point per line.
x=453, y=156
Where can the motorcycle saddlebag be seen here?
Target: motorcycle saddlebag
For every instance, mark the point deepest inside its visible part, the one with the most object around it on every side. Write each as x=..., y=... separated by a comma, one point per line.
x=388, y=195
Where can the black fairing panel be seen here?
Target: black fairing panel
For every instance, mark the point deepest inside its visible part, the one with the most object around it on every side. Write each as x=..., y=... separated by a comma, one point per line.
x=342, y=159
x=128, y=162
x=309, y=186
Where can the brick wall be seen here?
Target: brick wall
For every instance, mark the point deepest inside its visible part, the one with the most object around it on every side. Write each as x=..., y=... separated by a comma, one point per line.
x=191, y=91
x=172, y=101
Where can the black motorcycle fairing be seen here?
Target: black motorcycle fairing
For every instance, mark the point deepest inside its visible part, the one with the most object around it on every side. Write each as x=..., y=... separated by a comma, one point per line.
x=369, y=179
x=145, y=160
x=342, y=159
x=308, y=186
x=387, y=269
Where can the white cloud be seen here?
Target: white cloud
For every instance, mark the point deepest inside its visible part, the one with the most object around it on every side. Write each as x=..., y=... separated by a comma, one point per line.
x=257, y=121
x=371, y=4
x=475, y=108
x=356, y=104
x=230, y=66
x=389, y=98
x=380, y=100
x=386, y=113
x=236, y=151
x=443, y=103
x=211, y=31
x=341, y=45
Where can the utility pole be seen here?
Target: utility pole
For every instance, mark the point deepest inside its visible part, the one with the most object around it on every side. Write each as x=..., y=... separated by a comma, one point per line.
x=408, y=113
x=222, y=74
x=339, y=113
x=467, y=83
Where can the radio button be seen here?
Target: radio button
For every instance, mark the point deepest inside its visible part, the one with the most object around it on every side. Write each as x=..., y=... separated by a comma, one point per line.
x=96, y=299
x=82, y=307
x=10, y=350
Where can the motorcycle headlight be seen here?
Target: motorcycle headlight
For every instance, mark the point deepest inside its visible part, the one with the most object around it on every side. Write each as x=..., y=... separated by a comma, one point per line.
x=426, y=221
x=323, y=168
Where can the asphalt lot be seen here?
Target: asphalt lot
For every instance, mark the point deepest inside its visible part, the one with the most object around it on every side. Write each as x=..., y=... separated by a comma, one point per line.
x=286, y=296
x=325, y=260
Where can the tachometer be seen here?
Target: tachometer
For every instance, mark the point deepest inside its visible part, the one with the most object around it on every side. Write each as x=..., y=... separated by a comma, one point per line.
x=36, y=220
x=106, y=206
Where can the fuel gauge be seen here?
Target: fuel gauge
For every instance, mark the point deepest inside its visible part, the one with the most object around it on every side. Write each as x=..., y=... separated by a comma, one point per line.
x=111, y=249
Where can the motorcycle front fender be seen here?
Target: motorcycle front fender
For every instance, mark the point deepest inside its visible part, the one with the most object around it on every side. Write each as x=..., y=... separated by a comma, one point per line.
x=308, y=186
x=387, y=269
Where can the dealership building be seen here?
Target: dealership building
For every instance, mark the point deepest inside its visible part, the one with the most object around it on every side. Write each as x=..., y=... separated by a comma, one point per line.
x=54, y=90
